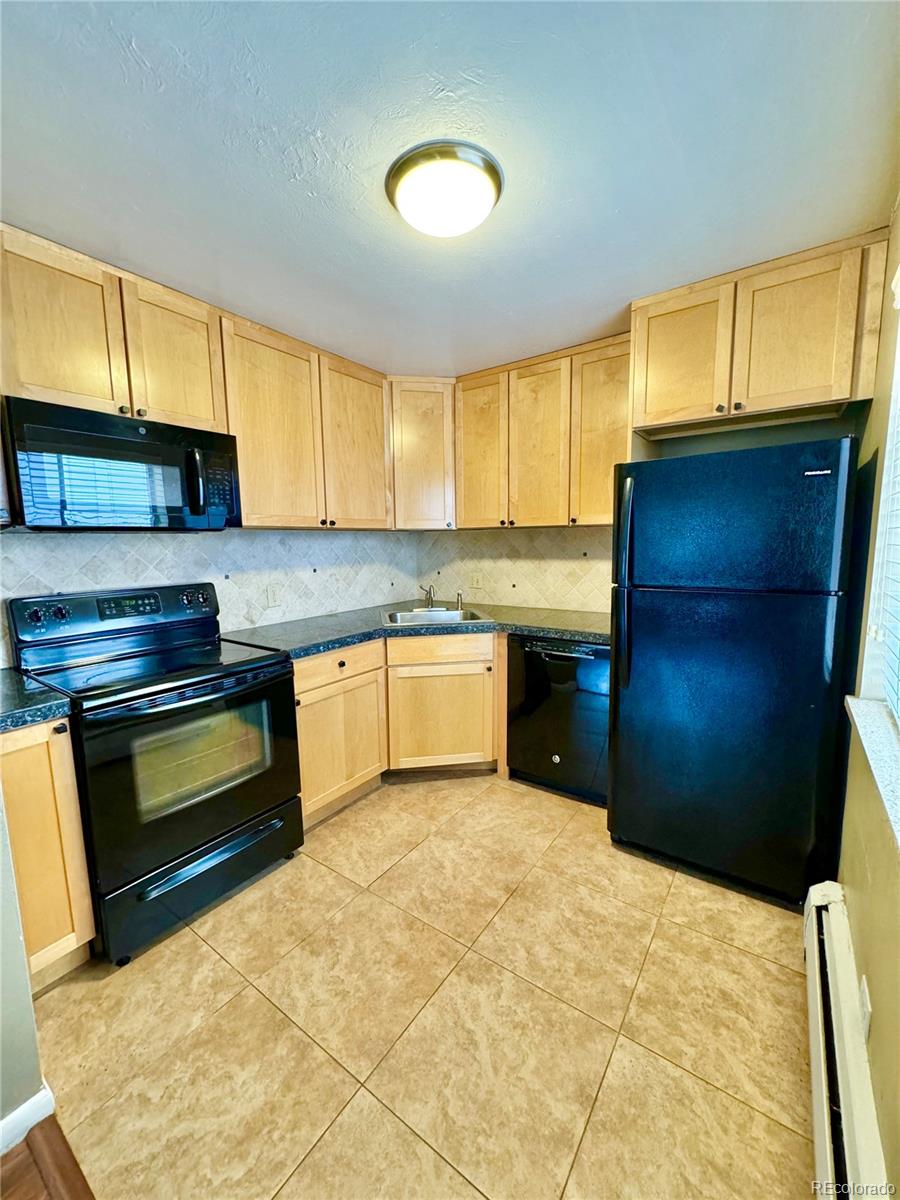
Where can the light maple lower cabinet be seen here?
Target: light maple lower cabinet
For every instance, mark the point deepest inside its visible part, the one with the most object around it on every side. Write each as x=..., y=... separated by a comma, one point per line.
x=441, y=700
x=272, y=382
x=342, y=729
x=41, y=802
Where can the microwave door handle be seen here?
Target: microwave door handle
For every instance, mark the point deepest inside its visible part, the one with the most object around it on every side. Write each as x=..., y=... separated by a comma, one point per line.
x=197, y=483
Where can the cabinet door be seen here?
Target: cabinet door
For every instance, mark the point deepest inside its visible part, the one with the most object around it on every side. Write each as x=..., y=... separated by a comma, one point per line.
x=41, y=800
x=356, y=429
x=174, y=357
x=440, y=714
x=795, y=333
x=482, y=451
x=682, y=357
x=599, y=431
x=343, y=738
x=272, y=383
x=539, y=408
x=63, y=338
x=423, y=453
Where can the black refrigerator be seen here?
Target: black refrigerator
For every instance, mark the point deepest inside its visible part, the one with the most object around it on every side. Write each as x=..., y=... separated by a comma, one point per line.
x=727, y=737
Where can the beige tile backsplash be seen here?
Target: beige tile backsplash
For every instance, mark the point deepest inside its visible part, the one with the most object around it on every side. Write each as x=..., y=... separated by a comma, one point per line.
x=264, y=576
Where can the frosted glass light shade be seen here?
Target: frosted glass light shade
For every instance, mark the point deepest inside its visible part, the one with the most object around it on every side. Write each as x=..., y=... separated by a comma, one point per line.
x=444, y=189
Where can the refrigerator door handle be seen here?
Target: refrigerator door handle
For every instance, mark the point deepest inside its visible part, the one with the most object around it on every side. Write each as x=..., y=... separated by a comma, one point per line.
x=624, y=565
x=622, y=601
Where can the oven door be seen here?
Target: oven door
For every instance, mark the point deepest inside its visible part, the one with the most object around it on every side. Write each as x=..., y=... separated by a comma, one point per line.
x=165, y=775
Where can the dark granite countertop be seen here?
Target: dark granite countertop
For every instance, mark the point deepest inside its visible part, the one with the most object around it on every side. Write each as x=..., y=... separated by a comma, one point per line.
x=23, y=703
x=312, y=635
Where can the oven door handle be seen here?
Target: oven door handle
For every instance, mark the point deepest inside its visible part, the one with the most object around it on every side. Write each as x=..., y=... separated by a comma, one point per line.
x=208, y=861
x=179, y=701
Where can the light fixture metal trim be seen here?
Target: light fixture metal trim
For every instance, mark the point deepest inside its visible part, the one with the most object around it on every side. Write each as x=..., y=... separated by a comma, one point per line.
x=438, y=151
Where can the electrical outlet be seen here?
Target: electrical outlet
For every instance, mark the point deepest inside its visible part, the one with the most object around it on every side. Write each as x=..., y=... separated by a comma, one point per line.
x=476, y=580
x=865, y=1007
x=272, y=592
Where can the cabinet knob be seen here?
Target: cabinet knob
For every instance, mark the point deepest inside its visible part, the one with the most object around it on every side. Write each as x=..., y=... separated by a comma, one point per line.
x=449, y=524
x=738, y=405
x=142, y=412
x=332, y=522
x=573, y=520
x=341, y=663
x=502, y=522
x=720, y=408
x=61, y=728
x=296, y=704
x=124, y=410
x=512, y=522
x=323, y=522
x=489, y=669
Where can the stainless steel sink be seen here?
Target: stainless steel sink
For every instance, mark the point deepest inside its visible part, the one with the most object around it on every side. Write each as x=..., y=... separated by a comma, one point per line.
x=433, y=616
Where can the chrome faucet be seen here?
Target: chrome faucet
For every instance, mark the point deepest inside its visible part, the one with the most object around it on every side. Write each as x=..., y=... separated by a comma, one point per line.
x=459, y=603
x=429, y=592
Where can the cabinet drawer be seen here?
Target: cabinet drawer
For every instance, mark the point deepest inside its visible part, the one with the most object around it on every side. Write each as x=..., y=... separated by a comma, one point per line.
x=440, y=648
x=319, y=669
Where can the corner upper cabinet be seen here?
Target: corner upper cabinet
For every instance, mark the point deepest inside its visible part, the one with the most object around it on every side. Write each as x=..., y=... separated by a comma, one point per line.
x=539, y=415
x=40, y=796
x=600, y=430
x=423, y=453
x=174, y=357
x=274, y=411
x=795, y=333
x=356, y=434
x=63, y=336
x=482, y=450
x=681, y=350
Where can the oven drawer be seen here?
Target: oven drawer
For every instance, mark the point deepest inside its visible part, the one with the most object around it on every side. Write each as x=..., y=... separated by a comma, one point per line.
x=134, y=915
x=320, y=669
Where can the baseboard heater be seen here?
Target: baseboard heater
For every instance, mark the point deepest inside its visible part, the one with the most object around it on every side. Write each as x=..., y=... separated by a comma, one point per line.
x=845, y=1124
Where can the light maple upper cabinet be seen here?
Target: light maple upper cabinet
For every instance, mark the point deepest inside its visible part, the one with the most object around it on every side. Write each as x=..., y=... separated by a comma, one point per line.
x=600, y=430
x=174, y=357
x=423, y=453
x=795, y=333
x=356, y=432
x=539, y=415
x=272, y=382
x=41, y=801
x=342, y=731
x=681, y=349
x=63, y=337
x=482, y=450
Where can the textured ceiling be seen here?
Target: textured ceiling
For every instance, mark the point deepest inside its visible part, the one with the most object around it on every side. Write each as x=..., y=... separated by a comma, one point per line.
x=237, y=151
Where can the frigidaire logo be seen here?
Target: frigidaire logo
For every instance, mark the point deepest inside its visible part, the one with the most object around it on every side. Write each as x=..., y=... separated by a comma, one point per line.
x=817, y=472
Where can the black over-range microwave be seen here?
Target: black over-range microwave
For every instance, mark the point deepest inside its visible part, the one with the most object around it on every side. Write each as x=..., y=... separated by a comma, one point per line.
x=70, y=468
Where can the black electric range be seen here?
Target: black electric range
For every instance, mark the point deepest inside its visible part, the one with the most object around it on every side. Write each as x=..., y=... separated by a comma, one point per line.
x=185, y=748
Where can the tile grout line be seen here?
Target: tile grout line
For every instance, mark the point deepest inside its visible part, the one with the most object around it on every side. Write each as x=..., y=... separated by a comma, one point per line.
x=297, y=1165
x=733, y=945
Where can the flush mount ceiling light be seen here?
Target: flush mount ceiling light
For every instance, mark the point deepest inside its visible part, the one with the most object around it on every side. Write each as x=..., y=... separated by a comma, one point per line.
x=444, y=188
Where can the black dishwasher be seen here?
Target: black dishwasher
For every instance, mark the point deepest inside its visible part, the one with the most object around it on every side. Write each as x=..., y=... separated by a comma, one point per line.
x=558, y=714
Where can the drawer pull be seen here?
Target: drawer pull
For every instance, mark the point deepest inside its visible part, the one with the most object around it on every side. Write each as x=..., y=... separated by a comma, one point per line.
x=296, y=704
x=61, y=728
x=341, y=662
x=489, y=669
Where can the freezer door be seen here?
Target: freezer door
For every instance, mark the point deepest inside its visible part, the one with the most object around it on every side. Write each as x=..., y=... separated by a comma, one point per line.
x=726, y=732
x=771, y=520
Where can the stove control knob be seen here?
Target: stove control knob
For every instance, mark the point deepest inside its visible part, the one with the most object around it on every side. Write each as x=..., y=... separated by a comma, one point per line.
x=203, y=597
x=34, y=615
x=61, y=612
x=187, y=599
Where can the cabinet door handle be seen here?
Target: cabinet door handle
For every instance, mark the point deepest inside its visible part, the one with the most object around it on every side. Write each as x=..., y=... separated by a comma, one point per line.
x=738, y=405
x=489, y=669
x=341, y=662
x=296, y=704
x=323, y=522
x=502, y=522
x=332, y=522
x=573, y=520
x=61, y=728
x=512, y=522
x=124, y=410
x=720, y=408
x=142, y=412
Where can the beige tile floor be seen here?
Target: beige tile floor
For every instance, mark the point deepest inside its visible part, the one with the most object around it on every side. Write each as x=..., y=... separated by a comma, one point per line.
x=461, y=988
